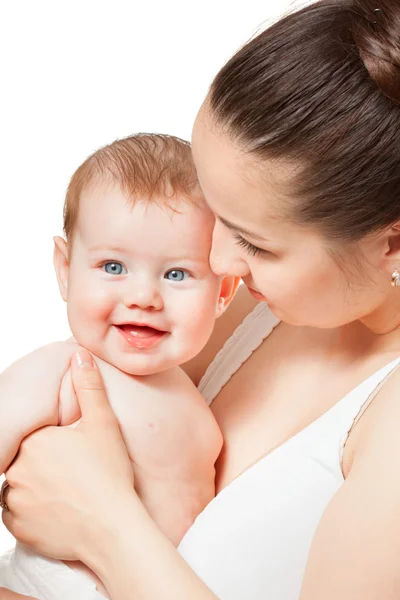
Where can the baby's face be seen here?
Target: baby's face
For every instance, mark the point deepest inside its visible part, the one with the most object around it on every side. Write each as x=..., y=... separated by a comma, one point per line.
x=141, y=294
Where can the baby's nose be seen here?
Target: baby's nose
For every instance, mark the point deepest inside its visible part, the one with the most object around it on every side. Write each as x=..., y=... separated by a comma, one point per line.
x=143, y=295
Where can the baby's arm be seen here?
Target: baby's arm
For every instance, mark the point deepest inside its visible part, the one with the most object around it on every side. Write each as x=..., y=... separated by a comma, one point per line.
x=29, y=396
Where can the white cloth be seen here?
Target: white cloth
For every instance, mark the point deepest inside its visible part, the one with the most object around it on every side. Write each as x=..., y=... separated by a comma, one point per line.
x=25, y=572
x=252, y=541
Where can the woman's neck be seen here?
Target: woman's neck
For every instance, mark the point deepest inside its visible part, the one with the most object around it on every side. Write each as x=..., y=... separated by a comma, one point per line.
x=379, y=331
x=385, y=318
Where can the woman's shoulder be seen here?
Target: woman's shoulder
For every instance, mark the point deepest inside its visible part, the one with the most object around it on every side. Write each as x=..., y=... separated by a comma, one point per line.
x=240, y=307
x=375, y=439
x=362, y=522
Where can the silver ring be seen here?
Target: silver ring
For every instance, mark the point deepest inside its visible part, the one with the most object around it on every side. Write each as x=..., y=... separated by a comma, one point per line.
x=3, y=503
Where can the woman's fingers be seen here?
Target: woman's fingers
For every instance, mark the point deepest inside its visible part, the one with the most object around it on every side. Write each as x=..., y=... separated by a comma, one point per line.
x=8, y=595
x=90, y=391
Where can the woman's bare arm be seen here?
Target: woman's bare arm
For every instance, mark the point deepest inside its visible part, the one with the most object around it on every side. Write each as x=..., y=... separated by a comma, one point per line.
x=356, y=550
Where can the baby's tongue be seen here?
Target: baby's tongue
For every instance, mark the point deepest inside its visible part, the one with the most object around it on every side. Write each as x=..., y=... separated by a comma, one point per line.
x=140, y=331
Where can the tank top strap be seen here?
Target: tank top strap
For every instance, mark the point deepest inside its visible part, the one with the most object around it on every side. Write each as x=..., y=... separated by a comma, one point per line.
x=362, y=396
x=246, y=338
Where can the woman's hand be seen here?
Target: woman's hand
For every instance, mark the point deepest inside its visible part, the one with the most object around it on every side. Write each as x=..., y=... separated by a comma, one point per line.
x=67, y=483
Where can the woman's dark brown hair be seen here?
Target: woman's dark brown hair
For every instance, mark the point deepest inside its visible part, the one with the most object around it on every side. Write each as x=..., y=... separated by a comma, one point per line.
x=322, y=87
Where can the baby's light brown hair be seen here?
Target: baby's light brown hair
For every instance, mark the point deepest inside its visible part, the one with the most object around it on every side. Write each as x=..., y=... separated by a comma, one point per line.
x=148, y=167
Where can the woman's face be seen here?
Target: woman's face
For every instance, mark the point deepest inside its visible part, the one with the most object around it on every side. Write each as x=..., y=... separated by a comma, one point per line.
x=288, y=266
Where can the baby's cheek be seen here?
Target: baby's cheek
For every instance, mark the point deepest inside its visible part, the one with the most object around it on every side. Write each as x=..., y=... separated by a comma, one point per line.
x=89, y=314
x=199, y=324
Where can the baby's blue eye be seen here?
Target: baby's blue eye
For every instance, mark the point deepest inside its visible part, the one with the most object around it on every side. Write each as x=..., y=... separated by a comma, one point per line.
x=176, y=275
x=114, y=268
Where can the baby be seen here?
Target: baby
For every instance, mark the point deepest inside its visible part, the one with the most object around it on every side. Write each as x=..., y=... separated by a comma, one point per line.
x=134, y=271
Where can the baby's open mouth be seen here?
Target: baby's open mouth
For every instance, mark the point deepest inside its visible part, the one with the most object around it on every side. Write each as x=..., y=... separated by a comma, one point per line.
x=140, y=331
x=140, y=336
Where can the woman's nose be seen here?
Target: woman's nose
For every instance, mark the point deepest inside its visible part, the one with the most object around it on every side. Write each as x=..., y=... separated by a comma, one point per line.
x=225, y=256
x=144, y=295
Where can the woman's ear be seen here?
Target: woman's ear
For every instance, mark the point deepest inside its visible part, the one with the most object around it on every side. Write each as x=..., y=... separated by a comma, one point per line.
x=229, y=285
x=393, y=242
x=61, y=265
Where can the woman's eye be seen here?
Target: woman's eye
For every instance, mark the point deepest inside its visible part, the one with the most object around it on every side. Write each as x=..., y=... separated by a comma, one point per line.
x=114, y=268
x=250, y=248
x=176, y=275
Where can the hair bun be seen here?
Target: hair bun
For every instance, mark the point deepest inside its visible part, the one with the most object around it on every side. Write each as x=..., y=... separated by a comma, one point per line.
x=376, y=31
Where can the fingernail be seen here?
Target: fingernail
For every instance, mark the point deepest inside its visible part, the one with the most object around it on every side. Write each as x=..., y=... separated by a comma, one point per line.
x=84, y=359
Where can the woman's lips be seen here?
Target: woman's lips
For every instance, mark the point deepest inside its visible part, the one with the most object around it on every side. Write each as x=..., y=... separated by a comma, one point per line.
x=140, y=336
x=257, y=295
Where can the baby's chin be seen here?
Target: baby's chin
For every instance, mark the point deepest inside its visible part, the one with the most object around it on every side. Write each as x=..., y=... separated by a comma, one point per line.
x=137, y=365
x=140, y=363
x=141, y=368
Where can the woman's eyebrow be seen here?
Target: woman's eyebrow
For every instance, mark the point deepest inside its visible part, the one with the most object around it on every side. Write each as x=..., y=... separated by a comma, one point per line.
x=234, y=227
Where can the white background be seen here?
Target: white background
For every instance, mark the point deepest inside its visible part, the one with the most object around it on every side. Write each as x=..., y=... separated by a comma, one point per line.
x=75, y=75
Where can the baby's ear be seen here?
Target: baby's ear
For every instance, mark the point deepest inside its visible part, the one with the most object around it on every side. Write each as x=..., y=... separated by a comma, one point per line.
x=229, y=285
x=61, y=265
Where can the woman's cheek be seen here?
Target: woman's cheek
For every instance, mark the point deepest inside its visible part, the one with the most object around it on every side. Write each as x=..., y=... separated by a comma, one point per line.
x=298, y=299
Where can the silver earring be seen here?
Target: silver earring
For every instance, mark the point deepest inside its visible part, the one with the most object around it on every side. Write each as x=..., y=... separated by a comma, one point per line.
x=396, y=278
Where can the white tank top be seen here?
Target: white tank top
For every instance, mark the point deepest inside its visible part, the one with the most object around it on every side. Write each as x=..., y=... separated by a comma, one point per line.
x=252, y=541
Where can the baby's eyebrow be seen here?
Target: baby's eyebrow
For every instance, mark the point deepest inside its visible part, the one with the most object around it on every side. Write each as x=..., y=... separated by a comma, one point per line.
x=169, y=259
x=234, y=227
x=103, y=248
x=186, y=259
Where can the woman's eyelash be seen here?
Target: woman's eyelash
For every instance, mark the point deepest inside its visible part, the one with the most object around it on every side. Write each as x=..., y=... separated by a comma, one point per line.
x=250, y=248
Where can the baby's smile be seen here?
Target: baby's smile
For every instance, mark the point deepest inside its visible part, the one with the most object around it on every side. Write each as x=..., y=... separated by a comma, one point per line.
x=141, y=336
